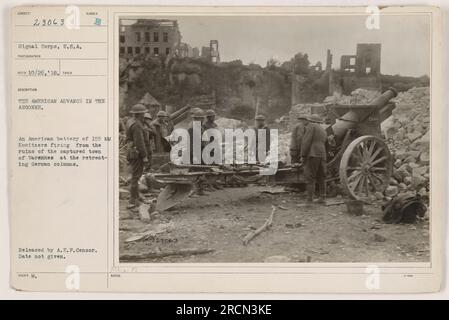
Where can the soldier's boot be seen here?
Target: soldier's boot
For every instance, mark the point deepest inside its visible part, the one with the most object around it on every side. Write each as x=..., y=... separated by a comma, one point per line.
x=144, y=200
x=200, y=189
x=310, y=193
x=131, y=205
x=322, y=198
x=134, y=196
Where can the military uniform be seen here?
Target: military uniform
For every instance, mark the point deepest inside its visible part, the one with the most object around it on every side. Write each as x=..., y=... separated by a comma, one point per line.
x=149, y=135
x=137, y=152
x=209, y=123
x=264, y=130
x=196, y=116
x=313, y=152
x=160, y=132
x=296, y=140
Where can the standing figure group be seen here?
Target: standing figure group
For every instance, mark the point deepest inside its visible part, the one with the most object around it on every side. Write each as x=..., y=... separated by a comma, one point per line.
x=308, y=146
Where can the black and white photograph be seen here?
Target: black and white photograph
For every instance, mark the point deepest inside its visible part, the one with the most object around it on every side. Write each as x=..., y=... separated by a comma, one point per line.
x=274, y=138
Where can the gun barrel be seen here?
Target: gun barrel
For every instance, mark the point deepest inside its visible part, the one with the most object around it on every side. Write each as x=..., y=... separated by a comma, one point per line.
x=385, y=97
x=180, y=114
x=357, y=115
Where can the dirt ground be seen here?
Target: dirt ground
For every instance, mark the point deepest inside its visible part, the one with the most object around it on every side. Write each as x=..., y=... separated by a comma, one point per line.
x=221, y=219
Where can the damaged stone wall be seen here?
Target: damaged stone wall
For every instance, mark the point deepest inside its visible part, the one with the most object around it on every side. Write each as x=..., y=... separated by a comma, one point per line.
x=408, y=137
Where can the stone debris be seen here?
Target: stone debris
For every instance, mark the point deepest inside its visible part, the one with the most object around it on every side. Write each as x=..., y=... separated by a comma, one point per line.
x=284, y=147
x=407, y=135
x=228, y=123
x=358, y=96
x=379, y=238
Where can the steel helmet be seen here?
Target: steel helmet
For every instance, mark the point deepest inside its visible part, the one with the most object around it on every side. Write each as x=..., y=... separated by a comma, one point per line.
x=138, y=108
x=197, y=114
x=314, y=118
x=162, y=113
x=210, y=113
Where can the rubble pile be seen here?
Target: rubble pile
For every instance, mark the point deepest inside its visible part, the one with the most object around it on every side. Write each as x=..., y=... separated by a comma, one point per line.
x=300, y=109
x=206, y=101
x=407, y=134
x=228, y=123
x=358, y=96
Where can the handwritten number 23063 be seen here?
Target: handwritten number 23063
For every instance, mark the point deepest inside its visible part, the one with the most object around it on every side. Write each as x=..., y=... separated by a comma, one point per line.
x=48, y=22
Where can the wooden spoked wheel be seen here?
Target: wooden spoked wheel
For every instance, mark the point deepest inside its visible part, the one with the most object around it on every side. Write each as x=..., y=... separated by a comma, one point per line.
x=365, y=168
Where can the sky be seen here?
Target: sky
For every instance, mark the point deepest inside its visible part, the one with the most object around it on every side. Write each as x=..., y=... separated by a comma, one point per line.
x=405, y=39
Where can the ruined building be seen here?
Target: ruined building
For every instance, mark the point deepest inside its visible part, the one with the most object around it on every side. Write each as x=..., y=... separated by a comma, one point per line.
x=214, y=53
x=361, y=70
x=184, y=50
x=150, y=37
x=211, y=53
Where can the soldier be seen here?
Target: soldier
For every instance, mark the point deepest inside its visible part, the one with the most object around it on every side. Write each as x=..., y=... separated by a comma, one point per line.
x=195, y=111
x=296, y=139
x=313, y=155
x=149, y=134
x=260, y=125
x=197, y=115
x=209, y=122
x=160, y=132
x=168, y=124
x=137, y=151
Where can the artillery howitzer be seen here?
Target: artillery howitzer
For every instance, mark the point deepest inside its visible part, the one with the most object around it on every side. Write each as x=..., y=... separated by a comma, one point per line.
x=358, y=158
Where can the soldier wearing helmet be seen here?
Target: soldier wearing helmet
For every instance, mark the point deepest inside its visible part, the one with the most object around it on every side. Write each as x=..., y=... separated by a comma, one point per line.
x=194, y=112
x=169, y=127
x=209, y=122
x=149, y=130
x=313, y=155
x=161, y=145
x=261, y=147
x=197, y=116
x=138, y=153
